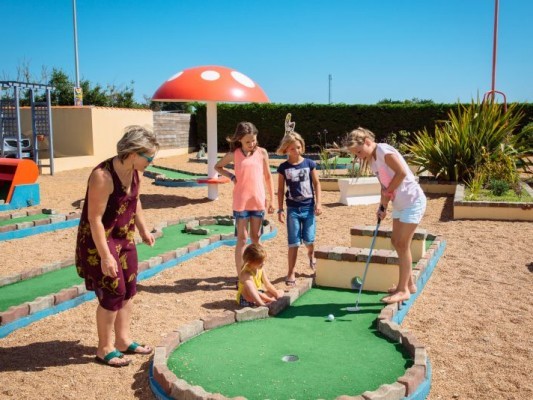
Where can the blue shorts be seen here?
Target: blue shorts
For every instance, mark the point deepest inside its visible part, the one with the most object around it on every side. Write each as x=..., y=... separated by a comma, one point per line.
x=301, y=225
x=412, y=214
x=247, y=214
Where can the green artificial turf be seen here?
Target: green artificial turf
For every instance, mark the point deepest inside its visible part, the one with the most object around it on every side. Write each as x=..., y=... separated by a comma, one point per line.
x=174, y=174
x=52, y=282
x=23, y=219
x=41, y=285
x=346, y=356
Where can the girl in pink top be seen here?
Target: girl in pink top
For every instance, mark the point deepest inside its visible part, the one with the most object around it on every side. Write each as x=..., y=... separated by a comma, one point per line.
x=400, y=188
x=252, y=173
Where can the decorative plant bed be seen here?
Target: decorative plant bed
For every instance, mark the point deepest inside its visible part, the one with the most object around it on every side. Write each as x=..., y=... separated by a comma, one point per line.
x=491, y=210
x=432, y=185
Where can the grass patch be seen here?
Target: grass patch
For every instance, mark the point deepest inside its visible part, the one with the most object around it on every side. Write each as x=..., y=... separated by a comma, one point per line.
x=509, y=196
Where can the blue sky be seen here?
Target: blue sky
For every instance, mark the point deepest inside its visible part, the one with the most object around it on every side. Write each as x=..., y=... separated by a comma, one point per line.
x=374, y=49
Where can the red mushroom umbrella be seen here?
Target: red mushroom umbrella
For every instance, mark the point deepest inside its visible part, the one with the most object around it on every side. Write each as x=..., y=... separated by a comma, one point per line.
x=211, y=84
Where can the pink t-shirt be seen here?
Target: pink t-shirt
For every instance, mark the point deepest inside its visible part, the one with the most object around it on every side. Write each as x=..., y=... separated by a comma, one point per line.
x=409, y=190
x=249, y=190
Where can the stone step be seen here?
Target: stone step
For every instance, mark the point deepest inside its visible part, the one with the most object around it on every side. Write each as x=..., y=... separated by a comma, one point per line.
x=361, y=236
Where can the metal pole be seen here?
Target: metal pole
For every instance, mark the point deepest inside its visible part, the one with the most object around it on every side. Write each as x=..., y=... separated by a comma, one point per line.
x=19, y=128
x=76, y=44
x=495, y=46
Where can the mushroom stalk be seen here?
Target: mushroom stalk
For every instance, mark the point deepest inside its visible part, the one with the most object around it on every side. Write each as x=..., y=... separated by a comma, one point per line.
x=212, y=151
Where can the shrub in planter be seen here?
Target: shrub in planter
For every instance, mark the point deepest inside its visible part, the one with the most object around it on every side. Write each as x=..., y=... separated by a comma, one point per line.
x=455, y=152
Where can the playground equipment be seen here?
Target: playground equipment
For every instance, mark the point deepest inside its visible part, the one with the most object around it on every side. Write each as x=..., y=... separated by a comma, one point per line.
x=17, y=183
x=41, y=122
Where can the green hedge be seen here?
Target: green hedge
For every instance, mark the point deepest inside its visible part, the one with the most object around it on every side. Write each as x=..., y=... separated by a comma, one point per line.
x=337, y=119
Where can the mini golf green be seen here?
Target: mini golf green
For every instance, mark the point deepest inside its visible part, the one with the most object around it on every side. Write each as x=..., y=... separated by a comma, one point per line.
x=28, y=218
x=175, y=174
x=52, y=282
x=344, y=357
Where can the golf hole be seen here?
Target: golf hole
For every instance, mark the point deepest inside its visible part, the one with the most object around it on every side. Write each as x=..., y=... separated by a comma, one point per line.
x=290, y=358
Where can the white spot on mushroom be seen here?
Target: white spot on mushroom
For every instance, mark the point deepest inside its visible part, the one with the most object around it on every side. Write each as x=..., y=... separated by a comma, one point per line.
x=237, y=93
x=175, y=76
x=210, y=75
x=242, y=79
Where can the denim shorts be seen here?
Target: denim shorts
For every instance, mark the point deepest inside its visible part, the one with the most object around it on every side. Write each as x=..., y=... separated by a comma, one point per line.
x=247, y=214
x=413, y=214
x=301, y=225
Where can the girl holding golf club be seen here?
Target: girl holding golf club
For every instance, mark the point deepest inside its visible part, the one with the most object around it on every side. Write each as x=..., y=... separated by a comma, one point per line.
x=400, y=188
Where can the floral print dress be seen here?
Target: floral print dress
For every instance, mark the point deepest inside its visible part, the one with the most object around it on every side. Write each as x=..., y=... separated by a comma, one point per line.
x=119, y=225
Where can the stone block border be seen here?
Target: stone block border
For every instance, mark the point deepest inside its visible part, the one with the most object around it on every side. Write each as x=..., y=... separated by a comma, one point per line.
x=413, y=385
x=24, y=314
x=23, y=229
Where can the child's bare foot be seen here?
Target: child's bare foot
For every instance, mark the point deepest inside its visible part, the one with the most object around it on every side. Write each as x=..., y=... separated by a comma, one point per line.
x=412, y=289
x=396, y=297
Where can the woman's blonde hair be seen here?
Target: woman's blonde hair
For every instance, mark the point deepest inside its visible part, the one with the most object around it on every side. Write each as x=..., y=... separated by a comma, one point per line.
x=243, y=128
x=357, y=137
x=136, y=139
x=288, y=140
x=254, y=254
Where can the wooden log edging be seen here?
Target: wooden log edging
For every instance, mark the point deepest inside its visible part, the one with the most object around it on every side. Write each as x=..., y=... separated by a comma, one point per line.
x=19, y=316
x=413, y=385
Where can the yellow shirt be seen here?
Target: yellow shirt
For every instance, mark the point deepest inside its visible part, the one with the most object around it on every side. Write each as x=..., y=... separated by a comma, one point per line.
x=256, y=277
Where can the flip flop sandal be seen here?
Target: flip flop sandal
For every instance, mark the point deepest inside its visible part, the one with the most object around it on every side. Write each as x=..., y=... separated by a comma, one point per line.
x=132, y=349
x=109, y=356
x=312, y=264
x=290, y=282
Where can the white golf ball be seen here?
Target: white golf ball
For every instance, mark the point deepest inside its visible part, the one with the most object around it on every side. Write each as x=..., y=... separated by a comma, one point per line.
x=331, y=317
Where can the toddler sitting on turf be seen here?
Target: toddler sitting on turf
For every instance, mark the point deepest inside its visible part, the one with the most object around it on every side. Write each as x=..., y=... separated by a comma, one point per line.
x=254, y=288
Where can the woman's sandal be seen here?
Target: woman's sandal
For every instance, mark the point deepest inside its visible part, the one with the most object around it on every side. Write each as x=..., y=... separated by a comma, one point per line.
x=134, y=348
x=290, y=282
x=112, y=355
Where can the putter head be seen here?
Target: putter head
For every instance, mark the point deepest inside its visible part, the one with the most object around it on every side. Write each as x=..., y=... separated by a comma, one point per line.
x=353, y=309
x=356, y=283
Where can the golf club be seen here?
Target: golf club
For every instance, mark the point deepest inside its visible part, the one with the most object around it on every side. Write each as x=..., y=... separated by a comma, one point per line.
x=356, y=308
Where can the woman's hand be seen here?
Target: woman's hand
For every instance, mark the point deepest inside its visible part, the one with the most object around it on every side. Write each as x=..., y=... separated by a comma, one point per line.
x=318, y=209
x=148, y=238
x=109, y=266
x=381, y=213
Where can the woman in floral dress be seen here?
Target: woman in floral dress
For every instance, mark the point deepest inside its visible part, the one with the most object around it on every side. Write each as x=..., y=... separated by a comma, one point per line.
x=106, y=255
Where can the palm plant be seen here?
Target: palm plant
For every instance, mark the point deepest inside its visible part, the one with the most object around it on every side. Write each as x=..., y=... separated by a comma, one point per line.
x=456, y=150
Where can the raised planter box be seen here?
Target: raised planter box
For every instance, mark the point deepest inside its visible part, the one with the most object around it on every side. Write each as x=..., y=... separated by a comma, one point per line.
x=329, y=184
x=432, y=185
x=491, y=210
x=359, y=191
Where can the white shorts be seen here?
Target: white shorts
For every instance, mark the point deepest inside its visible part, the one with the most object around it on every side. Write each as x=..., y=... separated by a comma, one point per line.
x=412, y=214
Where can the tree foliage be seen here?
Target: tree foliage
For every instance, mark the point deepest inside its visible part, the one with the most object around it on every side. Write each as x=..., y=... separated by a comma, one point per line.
x=63, y=93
